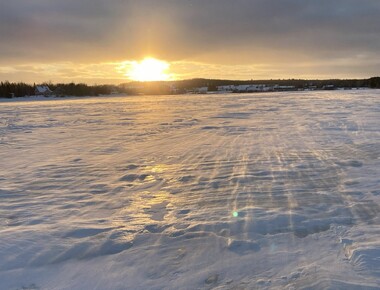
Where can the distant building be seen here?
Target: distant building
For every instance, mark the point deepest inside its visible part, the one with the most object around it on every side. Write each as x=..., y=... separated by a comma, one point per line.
x=329, y=87
x=200, y=90
x=259, y=88
x=311, y=88
x=225, y=89
x=252, y=88
x=242, y=88
x=245, y=88
x=43, y=91
x=284, y=88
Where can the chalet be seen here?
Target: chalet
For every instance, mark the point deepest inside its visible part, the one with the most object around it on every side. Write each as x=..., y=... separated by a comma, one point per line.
x=43, y=91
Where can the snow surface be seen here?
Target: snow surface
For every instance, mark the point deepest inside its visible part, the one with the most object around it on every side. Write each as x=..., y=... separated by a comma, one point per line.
x=261, y=191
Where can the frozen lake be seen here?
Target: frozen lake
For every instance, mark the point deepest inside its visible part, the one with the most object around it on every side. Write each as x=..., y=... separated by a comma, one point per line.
x=259, y=191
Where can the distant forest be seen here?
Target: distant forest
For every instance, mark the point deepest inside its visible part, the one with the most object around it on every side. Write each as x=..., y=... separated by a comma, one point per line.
x=9, y=90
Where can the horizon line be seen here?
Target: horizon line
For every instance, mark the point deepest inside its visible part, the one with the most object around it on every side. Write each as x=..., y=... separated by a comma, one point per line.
x=193, y=79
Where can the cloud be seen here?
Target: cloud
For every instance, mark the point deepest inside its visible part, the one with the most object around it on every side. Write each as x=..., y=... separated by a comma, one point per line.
x=254, y=33
x=117, y=72
x=64, y=72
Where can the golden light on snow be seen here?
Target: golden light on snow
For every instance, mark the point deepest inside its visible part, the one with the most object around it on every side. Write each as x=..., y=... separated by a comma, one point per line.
x=159, y=168
x=149, y=69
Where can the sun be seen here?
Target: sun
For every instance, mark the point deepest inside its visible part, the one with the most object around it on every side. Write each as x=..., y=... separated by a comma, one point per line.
x=149, y=69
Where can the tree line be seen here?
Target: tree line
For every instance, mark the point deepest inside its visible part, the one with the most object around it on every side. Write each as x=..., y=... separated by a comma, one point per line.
x=20, y=89
x=9, y=90
x=297, y=83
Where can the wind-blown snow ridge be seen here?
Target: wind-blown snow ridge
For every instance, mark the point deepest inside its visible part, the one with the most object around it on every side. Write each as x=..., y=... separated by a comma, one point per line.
x=272, y=191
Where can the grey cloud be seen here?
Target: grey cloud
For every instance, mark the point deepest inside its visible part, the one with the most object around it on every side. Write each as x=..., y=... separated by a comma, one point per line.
x=215, y=31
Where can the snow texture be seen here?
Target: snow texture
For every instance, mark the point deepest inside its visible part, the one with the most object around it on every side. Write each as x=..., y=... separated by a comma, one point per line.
x=261, y=191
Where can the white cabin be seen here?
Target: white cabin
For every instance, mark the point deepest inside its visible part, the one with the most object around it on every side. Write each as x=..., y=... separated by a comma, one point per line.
x=43, y=91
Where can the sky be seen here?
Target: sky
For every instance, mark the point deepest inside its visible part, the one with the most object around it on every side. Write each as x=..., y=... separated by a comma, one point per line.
x=97, y=41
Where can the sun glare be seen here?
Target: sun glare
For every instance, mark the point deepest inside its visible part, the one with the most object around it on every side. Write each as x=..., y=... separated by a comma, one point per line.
x=149, y=69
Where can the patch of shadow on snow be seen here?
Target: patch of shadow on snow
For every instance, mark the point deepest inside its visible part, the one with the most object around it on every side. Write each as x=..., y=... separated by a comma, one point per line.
x=349, y=163
x=85, y=232
x=114, y=244
x=134, y=177
x=320, y=281
x=242, y=247
x=365, y=258
x=237, y=115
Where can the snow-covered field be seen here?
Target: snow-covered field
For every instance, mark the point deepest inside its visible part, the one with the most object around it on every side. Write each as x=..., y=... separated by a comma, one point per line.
x=260, y=191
